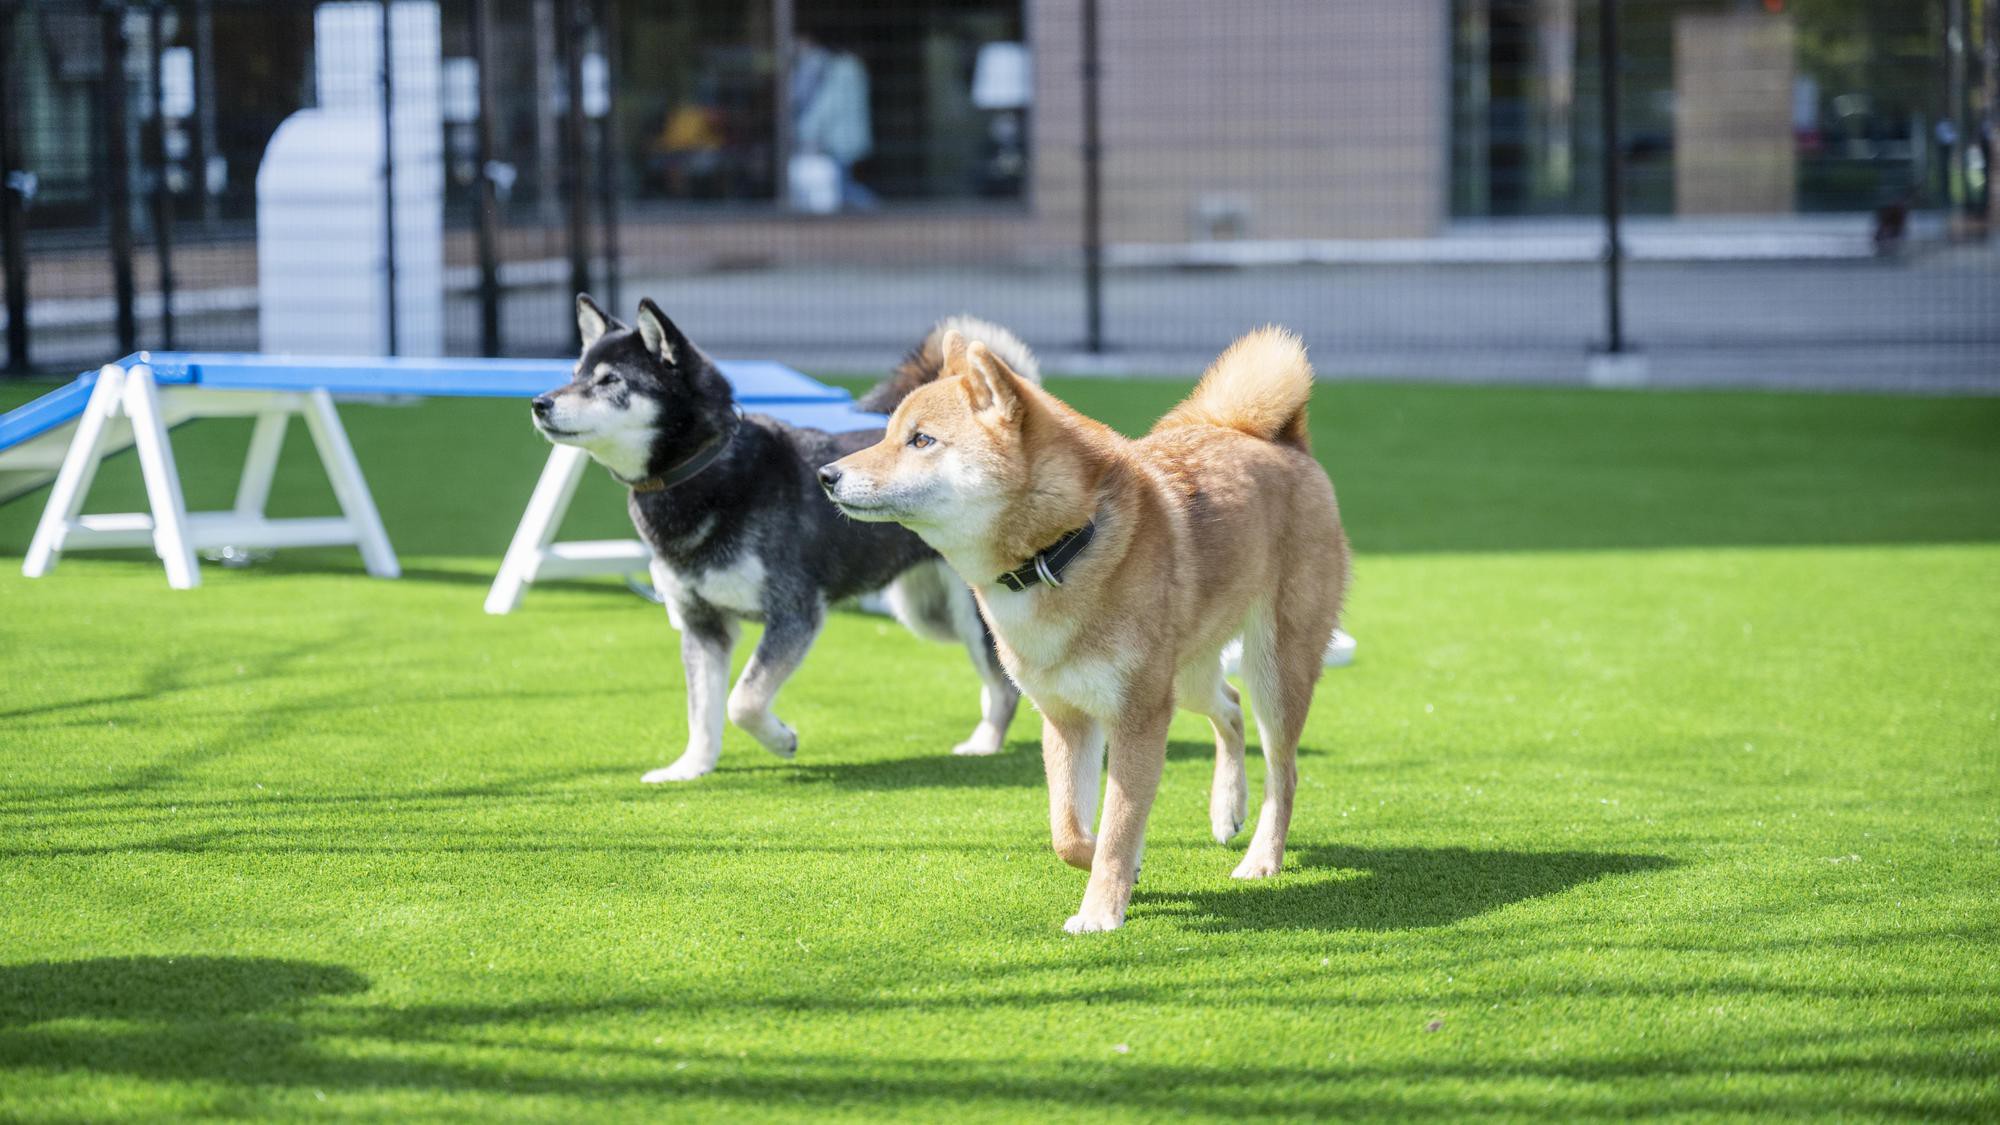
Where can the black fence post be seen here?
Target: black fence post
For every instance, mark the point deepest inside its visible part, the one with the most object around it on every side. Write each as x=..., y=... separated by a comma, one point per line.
x=1093, y=194
x=163, y=192
x=13, y=201
x=487, y=211
x=785, y=45
x=569, y=34
x=1614, y=251
x=488, y=230
x=389, y=170
x=203, y=150
x=118, y=171
x=607, y=152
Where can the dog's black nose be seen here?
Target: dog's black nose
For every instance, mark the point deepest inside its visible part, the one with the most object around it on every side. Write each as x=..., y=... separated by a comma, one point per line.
x=828, y=476
x=542, y=404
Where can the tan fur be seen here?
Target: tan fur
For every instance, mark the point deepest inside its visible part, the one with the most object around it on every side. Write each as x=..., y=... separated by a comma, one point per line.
x=1217, y=522
x=925, y=362
x=1259, y=386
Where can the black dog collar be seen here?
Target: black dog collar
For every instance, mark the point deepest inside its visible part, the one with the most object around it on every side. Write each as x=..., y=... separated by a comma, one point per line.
x=1049, y=562
x=706, y=454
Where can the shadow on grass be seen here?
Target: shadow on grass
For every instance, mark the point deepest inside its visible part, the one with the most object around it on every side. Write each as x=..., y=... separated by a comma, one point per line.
x=67, y=808
x=264, y=1026
x=336, y=564
x=166, y=677
x=1019, y=764
x=177, y=989
x=1344, y=888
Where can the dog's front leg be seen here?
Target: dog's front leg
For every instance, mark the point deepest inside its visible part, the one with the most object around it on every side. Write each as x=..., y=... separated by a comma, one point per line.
x=707, y=640
x=1138, y=752
x=788, y=636
x=1073, y=755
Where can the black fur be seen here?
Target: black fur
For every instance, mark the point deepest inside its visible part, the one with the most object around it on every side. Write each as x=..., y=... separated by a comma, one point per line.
x=760, y=497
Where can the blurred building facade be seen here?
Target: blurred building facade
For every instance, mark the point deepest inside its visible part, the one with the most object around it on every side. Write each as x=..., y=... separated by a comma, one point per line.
x=1295, y=130
x=1291, y=118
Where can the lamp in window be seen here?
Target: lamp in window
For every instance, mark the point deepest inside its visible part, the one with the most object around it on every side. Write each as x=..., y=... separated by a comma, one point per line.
x=1003, y=84
x=1002, y=77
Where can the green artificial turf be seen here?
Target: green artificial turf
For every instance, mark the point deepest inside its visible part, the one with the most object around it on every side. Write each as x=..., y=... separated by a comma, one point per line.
x=1667, y=784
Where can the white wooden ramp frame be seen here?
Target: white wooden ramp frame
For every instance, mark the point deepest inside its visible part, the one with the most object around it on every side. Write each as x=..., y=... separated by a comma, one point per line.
x=535, y=556
x=174, y=533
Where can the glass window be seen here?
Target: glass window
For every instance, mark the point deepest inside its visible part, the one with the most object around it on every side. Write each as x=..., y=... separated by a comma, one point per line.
x=696, y=80
x=1848, y=112
x=880, y=105
x=886, y=93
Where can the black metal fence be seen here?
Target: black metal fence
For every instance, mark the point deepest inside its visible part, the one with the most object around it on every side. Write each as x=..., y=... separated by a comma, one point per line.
x=1419, y=188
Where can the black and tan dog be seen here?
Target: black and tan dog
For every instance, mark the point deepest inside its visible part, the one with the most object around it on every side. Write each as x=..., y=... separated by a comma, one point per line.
x=740, y=529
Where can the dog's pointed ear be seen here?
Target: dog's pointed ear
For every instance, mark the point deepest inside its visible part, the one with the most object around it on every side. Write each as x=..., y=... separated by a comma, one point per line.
x=952, y=348
x=991, y=385
x=661, y=337
x=591, y=322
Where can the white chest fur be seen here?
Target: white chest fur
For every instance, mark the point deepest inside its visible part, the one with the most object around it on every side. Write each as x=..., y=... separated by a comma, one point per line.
x=738, y=587
x=1039, y=649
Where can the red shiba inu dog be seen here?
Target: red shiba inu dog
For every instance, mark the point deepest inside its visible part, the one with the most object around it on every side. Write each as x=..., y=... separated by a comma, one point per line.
x=1113, y=571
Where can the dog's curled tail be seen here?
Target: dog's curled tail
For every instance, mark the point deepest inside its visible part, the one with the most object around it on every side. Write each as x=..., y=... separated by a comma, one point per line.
x=1259, y=386
x=926, y=361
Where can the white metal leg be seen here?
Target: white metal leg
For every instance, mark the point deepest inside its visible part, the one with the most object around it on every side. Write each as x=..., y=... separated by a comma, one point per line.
x=175, y=533
x=163, y=480
x=534, y=554
x=546, y=508
x=79, y=469
x=260, y=465
x=349, y=486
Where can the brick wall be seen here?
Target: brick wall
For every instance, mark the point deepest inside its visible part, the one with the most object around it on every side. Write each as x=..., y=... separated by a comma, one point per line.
x=1733, y=148
x=1318, y=118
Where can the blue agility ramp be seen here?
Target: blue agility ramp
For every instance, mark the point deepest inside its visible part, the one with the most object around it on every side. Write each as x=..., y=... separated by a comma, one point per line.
x=65, y=434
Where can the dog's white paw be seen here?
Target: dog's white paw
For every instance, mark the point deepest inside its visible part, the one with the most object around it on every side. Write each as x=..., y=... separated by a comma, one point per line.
x=986, y=739
x=1090, y=921
x=1257, y=867
x=1224, y=824
x=684, y=770
x=1227, y=813
x=784, y=742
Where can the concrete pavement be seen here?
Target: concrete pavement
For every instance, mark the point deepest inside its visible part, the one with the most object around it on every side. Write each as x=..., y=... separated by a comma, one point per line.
x=1926, y=322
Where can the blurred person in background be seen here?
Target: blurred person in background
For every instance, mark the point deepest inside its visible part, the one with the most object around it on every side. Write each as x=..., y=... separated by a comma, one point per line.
x=829, y=105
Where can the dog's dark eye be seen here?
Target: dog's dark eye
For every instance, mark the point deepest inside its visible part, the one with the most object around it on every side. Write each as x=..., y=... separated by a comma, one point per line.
x=921, y=441
x=605, y=380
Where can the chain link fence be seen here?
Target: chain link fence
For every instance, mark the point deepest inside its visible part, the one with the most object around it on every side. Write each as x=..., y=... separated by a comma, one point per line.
x=1801, y=188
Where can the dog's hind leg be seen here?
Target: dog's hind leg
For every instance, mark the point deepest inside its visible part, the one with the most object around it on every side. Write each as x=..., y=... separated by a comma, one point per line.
x=921, y=598
x=788, y=636
x=998, y=697
x=1210, y=694
x=1073, y=755
x=1282, y=652
x=707, y=640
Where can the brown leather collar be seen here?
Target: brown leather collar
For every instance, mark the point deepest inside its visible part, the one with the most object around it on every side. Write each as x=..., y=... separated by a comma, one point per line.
x=706, y=454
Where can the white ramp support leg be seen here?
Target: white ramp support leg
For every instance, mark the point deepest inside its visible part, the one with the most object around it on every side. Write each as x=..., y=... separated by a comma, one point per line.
x=534, y=553
x=174, y=533
x=79, y=469
x=349, y=486
x=260, y=465
x=163, y=479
